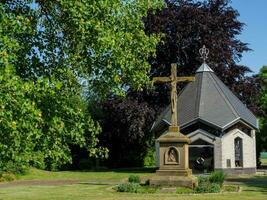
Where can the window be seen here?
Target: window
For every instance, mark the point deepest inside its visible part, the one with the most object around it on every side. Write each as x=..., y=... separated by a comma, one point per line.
x=228, y=163
x=238, y=152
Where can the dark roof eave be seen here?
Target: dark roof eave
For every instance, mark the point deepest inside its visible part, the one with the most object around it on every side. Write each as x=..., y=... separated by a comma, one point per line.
x=243, y=122
x=203, y=121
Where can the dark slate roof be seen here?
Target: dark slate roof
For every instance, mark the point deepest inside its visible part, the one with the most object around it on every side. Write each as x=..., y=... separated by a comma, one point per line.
x=208, y=100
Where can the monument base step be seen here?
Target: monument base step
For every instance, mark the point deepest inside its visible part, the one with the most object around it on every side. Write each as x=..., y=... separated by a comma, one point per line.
x=174, y=172
x=178, y=181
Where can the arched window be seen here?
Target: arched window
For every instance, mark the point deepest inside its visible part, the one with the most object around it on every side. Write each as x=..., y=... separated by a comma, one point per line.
x=238, y=152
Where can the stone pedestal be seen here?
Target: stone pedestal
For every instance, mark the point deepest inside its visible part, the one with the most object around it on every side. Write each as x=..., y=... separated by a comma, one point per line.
x=174, y=161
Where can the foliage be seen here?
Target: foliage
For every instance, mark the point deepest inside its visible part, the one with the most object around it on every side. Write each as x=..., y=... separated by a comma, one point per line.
x=19, y=117
x=217, y=177
x=230, y=188
x=187, y=26
x=208, y=188
x=134, y=179
x=262, y=134
x=38, y=123
x=7, y=176
x=103, y=42
x=128, y=187
x=126, y=122
x=20, y=123
x=150, y=158
x=210, y=184
x=134, y=187
x=203, y=179
x=71, y=48
x=39, y=119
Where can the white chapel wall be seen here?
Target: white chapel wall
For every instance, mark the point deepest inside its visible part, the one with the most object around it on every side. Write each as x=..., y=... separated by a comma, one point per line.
x=218, y=153
x=228, y=152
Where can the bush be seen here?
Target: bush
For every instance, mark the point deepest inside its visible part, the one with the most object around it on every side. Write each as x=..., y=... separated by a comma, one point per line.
x=134, y=179
x=230, y=188
x=217, y=177
x=210, y=184
x=214, y=188
x=203, y=179
x=128, y=187
x=8, y=176
x=150, y=158
x=208, y=188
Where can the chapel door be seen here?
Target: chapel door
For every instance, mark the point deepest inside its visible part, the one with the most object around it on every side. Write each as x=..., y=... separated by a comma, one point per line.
x=201, y=157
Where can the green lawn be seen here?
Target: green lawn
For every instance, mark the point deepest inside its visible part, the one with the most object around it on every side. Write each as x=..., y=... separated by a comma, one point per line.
x=35, y=174
x=264, y=161
x=98, y=185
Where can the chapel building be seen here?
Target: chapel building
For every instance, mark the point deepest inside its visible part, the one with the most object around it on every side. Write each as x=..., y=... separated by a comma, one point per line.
x=221, y=128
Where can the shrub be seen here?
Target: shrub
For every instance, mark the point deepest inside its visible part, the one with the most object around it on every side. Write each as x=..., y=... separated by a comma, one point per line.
x=210, y=184
x=128, y=187
x=7, y=176
x=134, y=179
x=208, y=188
x=230, y=188
x=217, y=177
x=203, y=179
x=214, y=188
x=150, y=158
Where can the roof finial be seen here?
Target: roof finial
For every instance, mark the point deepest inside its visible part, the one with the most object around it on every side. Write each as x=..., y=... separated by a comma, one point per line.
x=204, y=52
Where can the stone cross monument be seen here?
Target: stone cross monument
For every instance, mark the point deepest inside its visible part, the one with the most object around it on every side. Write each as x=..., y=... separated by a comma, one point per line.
x=173, y=145
x=173, y=79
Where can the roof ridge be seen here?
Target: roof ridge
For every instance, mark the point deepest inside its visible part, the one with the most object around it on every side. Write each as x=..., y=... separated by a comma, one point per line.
x=240, y=102
x=199, y=89
x=224, y=96
x=204, y=68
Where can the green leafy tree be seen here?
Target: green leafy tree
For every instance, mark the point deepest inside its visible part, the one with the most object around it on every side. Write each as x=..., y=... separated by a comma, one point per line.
x=262, y=134
x=48, y=48
x=39, y=119
x=20, y=125
x=20, y=118
x=103, y=42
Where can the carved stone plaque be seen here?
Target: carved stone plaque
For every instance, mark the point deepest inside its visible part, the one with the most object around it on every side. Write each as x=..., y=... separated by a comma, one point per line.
x=172, y=156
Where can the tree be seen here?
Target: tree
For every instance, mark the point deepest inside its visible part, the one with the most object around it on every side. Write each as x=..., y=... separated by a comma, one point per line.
x=55, y=46
x=187, y=25
x=262, y=134
x=102, y=42
x=125, y=133
x=39, y=123
x=39, y=119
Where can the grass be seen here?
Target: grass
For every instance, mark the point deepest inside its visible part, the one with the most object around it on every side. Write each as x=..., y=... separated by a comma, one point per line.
x=254, y=188
x=230, y=188
x=35, y=174
x=264, y=161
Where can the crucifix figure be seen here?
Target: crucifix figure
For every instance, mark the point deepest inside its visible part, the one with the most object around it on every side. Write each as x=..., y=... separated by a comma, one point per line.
x=173, y=79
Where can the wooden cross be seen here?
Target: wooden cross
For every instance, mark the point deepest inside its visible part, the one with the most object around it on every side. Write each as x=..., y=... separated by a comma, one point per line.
x=173, y=79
